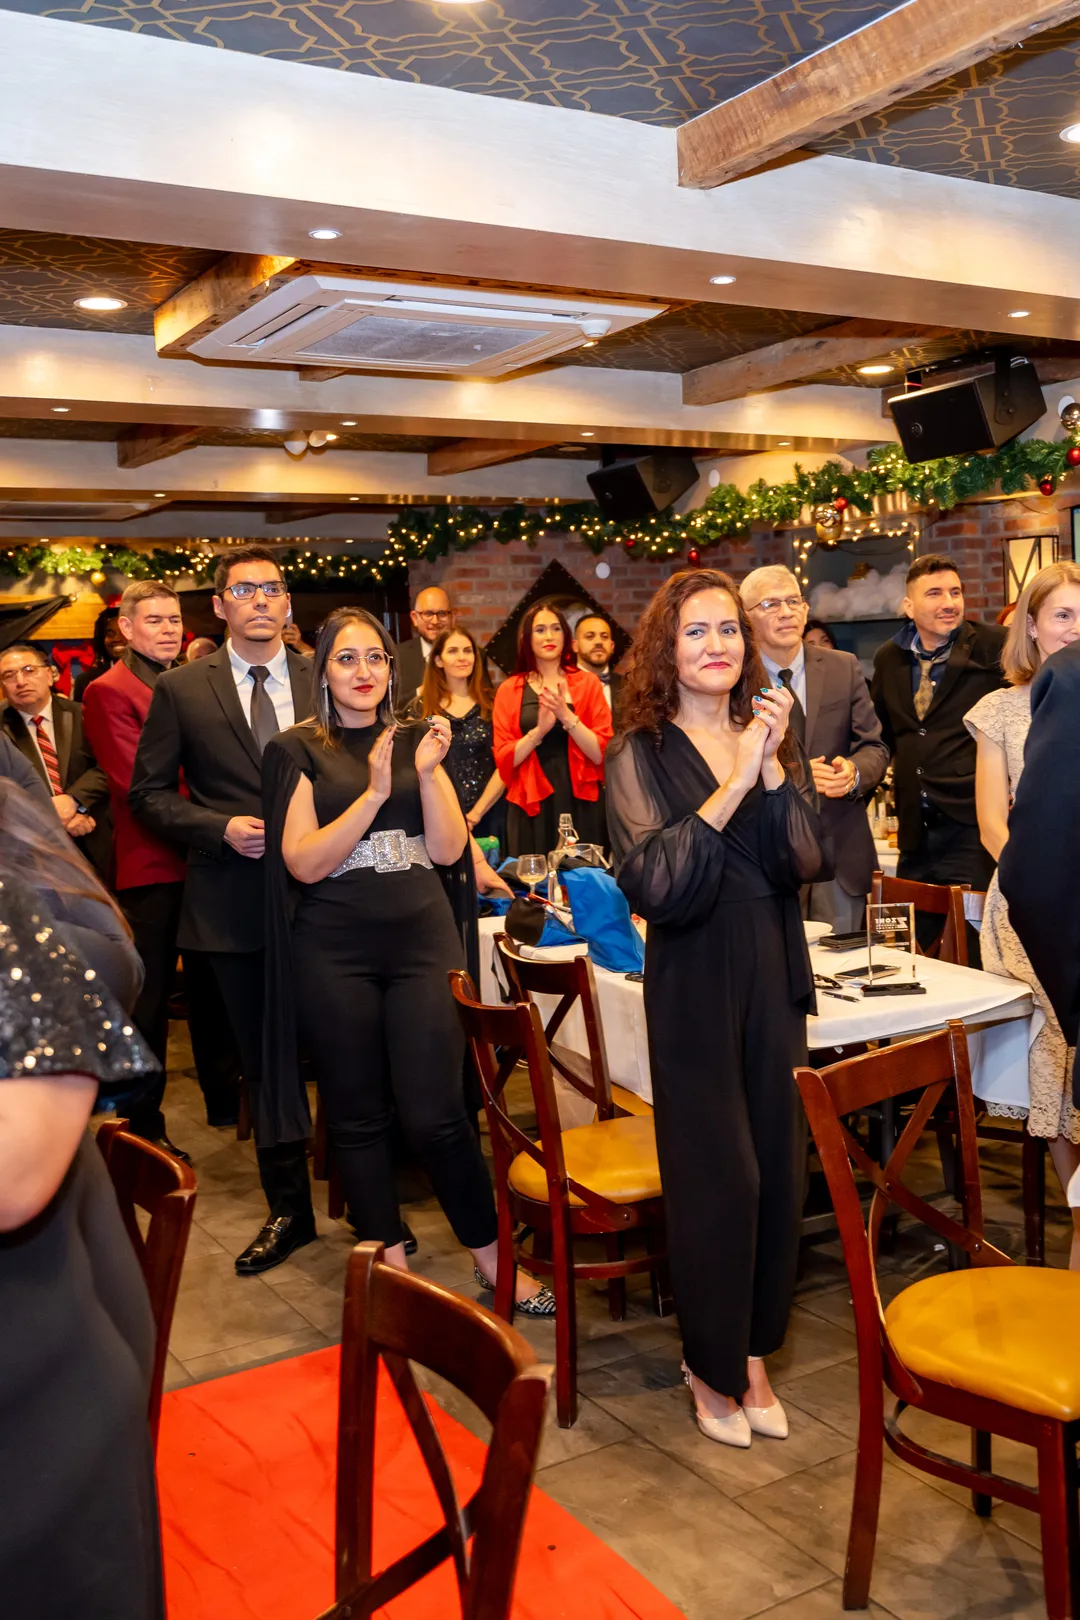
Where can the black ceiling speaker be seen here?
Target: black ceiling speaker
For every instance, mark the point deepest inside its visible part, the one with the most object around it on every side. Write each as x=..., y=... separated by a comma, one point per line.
x=974, y=413
x=643, y=486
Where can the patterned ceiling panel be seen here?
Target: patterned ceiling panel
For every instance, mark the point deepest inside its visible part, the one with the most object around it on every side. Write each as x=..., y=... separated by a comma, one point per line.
x=659, y=61
x=41, y=276
x=694, y=335
x=998, y=122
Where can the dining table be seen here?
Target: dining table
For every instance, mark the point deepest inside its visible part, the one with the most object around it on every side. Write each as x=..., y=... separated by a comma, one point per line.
x=999, y=1013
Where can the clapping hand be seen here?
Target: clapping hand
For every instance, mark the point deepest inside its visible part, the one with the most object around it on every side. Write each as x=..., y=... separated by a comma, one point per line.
x=432, y=748
x=380, y=761
x=555, y=701
x=773, y=709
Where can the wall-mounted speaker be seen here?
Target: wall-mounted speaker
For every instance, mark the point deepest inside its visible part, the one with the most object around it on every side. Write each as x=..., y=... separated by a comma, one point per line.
x=975, y=413
x=643, y=486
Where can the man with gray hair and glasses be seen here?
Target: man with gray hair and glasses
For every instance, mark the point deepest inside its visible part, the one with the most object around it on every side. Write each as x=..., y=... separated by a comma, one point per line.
x=836, y=724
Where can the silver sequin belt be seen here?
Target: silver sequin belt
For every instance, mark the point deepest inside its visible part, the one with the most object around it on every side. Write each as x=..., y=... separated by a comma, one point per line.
x=391, y=851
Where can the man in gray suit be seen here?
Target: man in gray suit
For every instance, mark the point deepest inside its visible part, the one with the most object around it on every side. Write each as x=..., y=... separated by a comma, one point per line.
x=836, y=723
x=431, y=615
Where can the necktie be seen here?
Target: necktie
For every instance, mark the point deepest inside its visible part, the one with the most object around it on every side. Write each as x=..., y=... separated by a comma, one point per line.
x=264, y=721
x=48, y=754
x=924, y=694
x=798, y=713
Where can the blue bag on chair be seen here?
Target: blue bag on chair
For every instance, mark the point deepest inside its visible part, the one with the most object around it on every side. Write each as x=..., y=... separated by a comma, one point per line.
x=602, y=917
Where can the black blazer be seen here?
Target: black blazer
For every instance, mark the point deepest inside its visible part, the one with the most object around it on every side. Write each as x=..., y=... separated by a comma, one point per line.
x=1039, y=871
x=411, y=667
x=80, y=774
x=196, y=727
x=935, y=755
x=840, y=720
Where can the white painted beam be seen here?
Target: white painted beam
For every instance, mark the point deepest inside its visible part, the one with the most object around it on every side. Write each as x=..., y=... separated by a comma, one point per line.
x=123, y=135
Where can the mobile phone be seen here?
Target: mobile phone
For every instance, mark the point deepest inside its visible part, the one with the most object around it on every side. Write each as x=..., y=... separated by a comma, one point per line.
x=868, y=973
x=907, y=987
x=842, y=942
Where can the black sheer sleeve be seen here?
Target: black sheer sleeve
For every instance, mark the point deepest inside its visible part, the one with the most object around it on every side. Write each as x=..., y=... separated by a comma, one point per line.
x=56, y=1015
x=281, y=1099
x=791, y=849
x=668, y=871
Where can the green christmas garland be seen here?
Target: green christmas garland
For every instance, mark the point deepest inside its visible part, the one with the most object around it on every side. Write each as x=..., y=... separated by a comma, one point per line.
x=727, y=513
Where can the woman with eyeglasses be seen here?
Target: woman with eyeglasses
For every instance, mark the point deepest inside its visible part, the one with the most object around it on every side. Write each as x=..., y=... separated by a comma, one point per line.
x=359, y=811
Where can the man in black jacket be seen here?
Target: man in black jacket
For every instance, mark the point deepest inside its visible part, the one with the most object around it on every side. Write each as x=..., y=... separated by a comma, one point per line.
x=925, y=681
x=1039, y=872
x=210, y=721
x=594, y=648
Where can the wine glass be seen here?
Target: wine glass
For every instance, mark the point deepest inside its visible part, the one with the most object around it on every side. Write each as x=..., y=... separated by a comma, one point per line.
x=532, y=869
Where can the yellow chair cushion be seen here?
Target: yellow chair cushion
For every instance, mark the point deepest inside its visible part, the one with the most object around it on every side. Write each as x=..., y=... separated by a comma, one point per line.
x=1007, y=1332
x=614, y=1157
x=630, y=1102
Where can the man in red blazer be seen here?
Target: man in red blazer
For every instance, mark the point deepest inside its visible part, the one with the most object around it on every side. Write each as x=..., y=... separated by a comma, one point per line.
x=150, y=871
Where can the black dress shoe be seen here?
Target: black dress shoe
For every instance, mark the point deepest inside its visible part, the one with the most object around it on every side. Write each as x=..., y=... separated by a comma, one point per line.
x=275, y=1242
x=408, y=1238
x=219, y=1120
x=166, y=1146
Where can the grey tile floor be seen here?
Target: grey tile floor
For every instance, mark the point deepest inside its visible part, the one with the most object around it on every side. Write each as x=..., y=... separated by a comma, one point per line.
x=725, y=1535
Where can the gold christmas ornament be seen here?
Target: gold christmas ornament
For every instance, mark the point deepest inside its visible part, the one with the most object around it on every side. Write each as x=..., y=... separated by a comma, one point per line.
x=828, y=524
x=1070, y=418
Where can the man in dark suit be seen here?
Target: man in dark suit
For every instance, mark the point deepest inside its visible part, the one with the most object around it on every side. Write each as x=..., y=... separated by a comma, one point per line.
x=208, y=724
x=431, y=615
x=836, y=724
x=47, y=729
x=925, y=681
x=1039, y=872
x=594, y=648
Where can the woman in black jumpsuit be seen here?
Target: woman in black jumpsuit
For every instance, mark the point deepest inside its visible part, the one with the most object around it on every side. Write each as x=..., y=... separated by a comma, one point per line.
x=357, y=812
x=713, y=836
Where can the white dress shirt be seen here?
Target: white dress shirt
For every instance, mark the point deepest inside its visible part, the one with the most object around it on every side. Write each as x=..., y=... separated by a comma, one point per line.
x=278, y=686
x=798, y=674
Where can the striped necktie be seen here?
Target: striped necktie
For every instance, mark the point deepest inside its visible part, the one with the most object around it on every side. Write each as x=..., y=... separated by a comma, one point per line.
x=48, y=754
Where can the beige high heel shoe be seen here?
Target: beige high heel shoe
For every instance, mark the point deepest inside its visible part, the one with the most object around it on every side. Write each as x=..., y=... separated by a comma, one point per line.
x=767, y=1420
x=733, y=1430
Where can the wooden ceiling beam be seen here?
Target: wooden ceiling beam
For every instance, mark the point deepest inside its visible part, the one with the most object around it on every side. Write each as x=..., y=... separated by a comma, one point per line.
x=466, y=455
x=847, y=343
x=139, y=446
x=228, y=287
x=906, y=50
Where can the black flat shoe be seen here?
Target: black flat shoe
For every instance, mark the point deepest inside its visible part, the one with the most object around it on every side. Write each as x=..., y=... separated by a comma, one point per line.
x=408, y=1238
x=166, y=1146
x=281, y=1235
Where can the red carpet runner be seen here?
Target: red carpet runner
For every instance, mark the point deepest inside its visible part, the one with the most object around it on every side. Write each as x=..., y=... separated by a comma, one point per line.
x=246, y=1476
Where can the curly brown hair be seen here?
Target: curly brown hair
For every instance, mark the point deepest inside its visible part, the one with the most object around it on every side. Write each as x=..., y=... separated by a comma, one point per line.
x=651, y=693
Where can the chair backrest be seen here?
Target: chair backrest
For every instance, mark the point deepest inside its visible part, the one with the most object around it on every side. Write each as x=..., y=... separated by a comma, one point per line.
x=500, y=1038
x=395, y=1317
x=571, y=982
x=939, y=899
x=936, y=1066
x=144, y=1177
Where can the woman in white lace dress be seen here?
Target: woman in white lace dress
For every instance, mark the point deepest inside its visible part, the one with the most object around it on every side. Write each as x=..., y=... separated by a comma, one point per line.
x=1047, y=618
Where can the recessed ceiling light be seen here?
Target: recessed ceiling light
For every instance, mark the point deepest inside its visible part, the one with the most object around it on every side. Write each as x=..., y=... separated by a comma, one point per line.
x=331, y=438
x=324, y=233
x=159, y=495
x=350, y=423
x=875, y=371
x=721, y=281
x=61, y=410
x=1071, y=133
x=590, y=343
x=1018, y=314
x=588, y=434
x=354, y=497
x=100, y=304
x=782, y=442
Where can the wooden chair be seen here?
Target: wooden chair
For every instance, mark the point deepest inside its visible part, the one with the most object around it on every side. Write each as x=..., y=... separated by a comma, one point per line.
x=992, y=1346
x=397, y=1318
x=939, y=899
x=144, y=1177
x=597, y=1179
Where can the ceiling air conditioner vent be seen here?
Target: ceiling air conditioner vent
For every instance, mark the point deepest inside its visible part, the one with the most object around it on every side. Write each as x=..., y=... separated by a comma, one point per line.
x=71, y=511
x=388, y=326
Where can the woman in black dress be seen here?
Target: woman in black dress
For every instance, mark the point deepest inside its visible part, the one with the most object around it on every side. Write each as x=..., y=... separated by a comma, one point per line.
x=713, y=831
x=79, y=1528
x=456, y=684
x=358, y=808
x=552, y=727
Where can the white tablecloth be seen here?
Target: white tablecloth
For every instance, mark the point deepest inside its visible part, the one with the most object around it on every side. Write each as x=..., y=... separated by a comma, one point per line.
x=997, y=1011
x=886, y=857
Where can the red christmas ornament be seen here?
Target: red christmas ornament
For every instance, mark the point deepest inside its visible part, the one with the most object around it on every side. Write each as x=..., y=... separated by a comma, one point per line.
x=629, y=544
x=693, y=556
x=841, y=503
x=1072, y=455
x=1046, y=486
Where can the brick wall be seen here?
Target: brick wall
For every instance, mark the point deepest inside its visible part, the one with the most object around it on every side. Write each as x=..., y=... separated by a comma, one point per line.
x=488, y=581
x=975, y=536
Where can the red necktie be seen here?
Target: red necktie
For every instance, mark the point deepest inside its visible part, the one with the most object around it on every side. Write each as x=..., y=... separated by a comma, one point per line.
x=48, y=754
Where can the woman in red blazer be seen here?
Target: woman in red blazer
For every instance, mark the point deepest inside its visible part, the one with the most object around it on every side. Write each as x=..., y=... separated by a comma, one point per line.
x=552, y=726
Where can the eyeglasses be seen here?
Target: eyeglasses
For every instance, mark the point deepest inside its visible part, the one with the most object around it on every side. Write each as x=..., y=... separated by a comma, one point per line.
x=433, y=613
x=375, y=661
x=773, y=604
x=272, y=589
x=23, y=669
